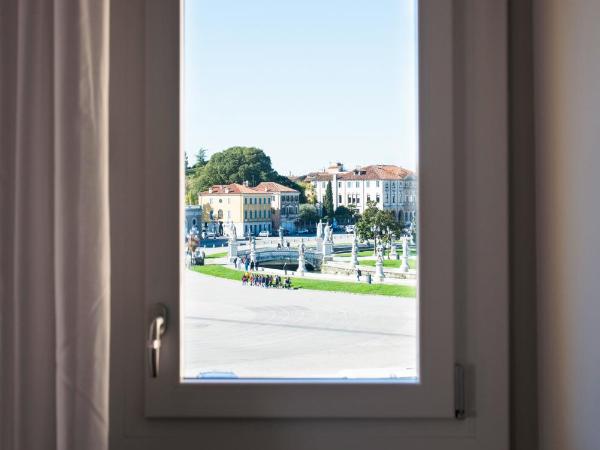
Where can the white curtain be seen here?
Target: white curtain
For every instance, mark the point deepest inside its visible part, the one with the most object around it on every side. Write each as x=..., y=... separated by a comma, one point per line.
x=54, y=225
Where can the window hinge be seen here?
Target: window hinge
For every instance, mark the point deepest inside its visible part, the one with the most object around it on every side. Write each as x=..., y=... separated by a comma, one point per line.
x=459, y=392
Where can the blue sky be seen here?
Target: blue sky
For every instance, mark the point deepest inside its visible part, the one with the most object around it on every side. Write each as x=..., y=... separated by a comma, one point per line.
x=308, y=81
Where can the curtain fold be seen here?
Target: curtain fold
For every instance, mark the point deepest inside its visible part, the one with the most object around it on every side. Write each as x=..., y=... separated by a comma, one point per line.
x=54, y=224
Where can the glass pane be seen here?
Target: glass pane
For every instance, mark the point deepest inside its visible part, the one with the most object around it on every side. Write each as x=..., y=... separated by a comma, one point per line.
x=300, y=230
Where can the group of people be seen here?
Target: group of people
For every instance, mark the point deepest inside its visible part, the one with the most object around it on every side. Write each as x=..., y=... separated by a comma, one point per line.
x=265, y=280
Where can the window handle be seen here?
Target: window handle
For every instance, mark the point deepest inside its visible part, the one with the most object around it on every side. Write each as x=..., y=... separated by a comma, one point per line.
x=158, y=326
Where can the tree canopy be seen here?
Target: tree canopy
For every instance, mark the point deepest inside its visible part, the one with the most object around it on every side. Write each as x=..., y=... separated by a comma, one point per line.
x=328, y=211
x=233, y=165
x=377, y=224
x=308, y=214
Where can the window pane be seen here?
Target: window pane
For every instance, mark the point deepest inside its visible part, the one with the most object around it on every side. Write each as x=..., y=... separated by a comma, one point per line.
x=305, y=103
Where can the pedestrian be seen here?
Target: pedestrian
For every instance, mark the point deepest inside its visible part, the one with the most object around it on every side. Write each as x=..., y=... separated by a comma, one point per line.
x=251, y=265
x=246, y=263
x=358, y=274
x=235, y=262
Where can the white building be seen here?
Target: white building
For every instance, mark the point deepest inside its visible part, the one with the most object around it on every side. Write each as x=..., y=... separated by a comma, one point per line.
x=393, y=188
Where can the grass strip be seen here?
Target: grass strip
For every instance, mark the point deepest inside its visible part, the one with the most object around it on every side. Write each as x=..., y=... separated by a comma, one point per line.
x=391, y=290
x=391, y=263
x=216, y=255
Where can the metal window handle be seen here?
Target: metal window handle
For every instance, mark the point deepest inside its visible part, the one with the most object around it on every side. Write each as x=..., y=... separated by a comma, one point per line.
x=158, y=326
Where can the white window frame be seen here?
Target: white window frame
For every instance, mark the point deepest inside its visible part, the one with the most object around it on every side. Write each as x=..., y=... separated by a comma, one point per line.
x=479, y=135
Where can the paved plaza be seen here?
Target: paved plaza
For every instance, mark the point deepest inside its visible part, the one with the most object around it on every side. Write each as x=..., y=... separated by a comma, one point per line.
x=252, y=332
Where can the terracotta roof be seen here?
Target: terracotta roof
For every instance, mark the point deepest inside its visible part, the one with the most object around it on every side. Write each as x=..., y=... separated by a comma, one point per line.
x=225, y=189
x=376, y=172
x=373, y=172
x=236, y=188
x=270, y=186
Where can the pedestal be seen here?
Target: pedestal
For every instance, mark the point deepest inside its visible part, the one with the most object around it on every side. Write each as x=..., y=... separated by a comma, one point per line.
x=232, y=251
x=301, y=265
x=379, y=275
x=327, y=248
x=393, y=252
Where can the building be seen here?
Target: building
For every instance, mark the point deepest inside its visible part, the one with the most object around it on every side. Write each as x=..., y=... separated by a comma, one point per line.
x=235, y=204
x=393, y=188
x=285, y=204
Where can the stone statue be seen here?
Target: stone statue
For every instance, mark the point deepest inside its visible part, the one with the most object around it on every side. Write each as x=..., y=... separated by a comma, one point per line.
x=328, y=234
x=379, y=275
x=354, y=260
x=232, y=232
x=320, y=230
x=404, y=267
x=301, y=262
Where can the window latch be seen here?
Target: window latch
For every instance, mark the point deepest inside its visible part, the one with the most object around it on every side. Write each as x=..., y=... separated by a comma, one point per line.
x=158, y=326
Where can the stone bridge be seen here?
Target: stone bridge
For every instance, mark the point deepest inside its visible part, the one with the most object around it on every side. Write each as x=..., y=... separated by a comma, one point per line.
x=313, y=258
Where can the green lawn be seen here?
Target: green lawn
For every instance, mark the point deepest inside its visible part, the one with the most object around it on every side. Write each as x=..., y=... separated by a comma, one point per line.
x=371, y=253
x=217, y=255
x=391, y=263
x=360, y=253
x=393, y=290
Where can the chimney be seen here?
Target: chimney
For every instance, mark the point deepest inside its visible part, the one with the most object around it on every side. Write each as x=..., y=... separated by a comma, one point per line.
x=246, y=183
x=210, y=189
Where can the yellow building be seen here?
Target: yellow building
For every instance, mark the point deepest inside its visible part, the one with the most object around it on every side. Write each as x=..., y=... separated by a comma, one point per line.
x=235, y=204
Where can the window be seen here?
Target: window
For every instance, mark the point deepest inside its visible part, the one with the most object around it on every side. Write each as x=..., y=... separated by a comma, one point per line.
x=349, y=184
x=368, y=197
x=245, y=214
x=377, y=199
x=357, y=183
x=339, y=184
x=367, y=183
x=377, y=183
x=156, y=400
x=340, y=198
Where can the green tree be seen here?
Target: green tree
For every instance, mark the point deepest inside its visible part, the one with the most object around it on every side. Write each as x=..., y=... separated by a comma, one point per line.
x=233, y=165
x=328, y=210
x=344, y=215
x=377, y=225
x=308, y=214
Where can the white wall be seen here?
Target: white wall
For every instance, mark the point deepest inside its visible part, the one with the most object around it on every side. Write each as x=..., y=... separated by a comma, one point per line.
x=567, y=126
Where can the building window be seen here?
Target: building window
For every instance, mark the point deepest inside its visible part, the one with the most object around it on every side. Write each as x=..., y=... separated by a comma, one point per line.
x=339, y=184
x=357, y=184
x=245, y=214
x=220, y=214
x=393, y=199
x=377, y=199
x=349, y=183
x=368, y=198
x=367, y=183
x=220, y=200
x=357, y=199
x=339, y=199
x=377, y=183
x=210, y=200
x=323, y=184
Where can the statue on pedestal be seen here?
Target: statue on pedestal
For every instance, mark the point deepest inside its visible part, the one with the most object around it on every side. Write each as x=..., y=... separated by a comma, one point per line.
x=354, y=260
x=404, y=265
x=379, y=275
x=301, y=261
